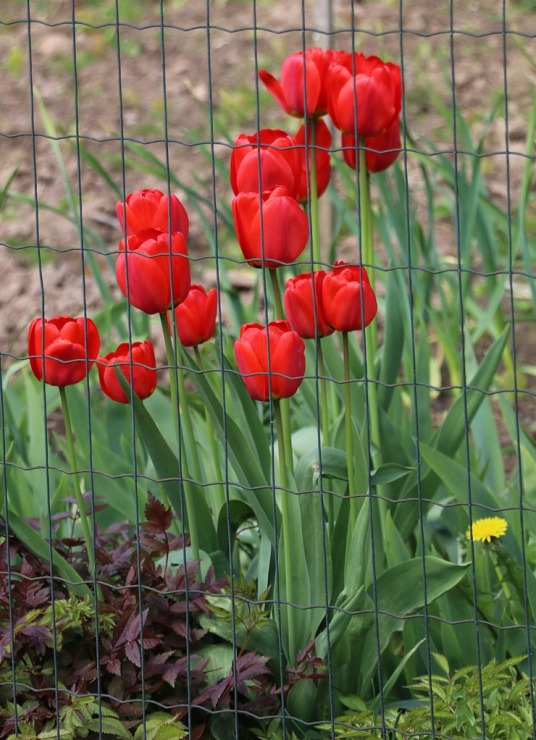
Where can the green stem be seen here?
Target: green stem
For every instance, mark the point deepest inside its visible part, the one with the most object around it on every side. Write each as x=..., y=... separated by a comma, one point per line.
x=348, y=432
x=287, y=534
x=76, y=482
x=218, y=500
x=178, y=400
x=172, y=364
x=501, y=578
x=313, y=196
x=324, y=423
x=285, y=407
x=278, y=303
x=371, y=331
x=324, y=418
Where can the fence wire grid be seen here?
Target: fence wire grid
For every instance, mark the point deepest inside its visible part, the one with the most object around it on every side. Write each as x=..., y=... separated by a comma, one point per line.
x=321, y=529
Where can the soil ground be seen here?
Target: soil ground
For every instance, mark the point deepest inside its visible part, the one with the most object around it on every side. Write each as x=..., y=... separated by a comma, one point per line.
x=87, y=86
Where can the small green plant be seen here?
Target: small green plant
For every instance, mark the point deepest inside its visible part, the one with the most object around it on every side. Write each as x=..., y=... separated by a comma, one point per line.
x=492, y=701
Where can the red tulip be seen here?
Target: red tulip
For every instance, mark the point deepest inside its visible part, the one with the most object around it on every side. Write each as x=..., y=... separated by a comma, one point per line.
x=323, y=163
x=70, y=349
x=276, y=154
x=285, y=227
x=195, y=317
x=381, y=151
x=284, y=374
x=365, y=94
x=138, y=365
x=158, y=275
x=303, y=309
x=289, y=93
x=149, y=210
x=344, y=289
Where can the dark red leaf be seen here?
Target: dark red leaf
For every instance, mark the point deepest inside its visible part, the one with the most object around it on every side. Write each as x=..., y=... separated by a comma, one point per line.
x=159, y=517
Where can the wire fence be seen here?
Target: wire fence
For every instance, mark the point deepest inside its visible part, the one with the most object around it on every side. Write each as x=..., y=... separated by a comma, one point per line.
x=267, y=372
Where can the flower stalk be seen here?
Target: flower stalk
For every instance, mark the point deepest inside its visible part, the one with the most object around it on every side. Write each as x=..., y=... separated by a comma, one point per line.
x=371, y=331
x=285, y=519
x=76, y=481
x=178, y=401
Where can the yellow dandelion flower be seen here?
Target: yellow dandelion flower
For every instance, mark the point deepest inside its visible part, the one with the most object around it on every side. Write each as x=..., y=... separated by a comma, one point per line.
x=487, y=529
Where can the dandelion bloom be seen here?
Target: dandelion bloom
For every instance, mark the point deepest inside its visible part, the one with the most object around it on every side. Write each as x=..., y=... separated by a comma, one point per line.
x=487, y=529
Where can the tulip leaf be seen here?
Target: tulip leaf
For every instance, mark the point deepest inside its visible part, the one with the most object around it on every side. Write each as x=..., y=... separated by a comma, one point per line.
x=348, y=607
x=357, y=570
x=317, y=553
x=170, y=473
x=394, y=601
x=250, y=422
x=328, y=462
x=41, y=549
x=396, y=320
x=389, y=473
x=295, y=597
x=455, y=425
x=449, y=437
x=230, y=518
x=245, y=463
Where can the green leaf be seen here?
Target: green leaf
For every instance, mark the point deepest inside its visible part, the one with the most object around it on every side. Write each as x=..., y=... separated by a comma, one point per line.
x=40, y=547
x=109, y=726
x=394, y=546
x=394, y=601
x=389, y=473
x=449, y=437
x=220, y=661
x=161, y=726
x=393, y=678
x=357, y=572
x=317, y=555
x=396, y=321
x=243, y=459
x=457, y=480
x=454, y=427
x=442, y=662
x=262, y=638
x=330, y=462
x=169, y=472
x=348, y=608
x=248, y=418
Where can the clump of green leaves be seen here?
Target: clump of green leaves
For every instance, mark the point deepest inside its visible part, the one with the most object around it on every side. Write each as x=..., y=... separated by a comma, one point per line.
x=492, y=701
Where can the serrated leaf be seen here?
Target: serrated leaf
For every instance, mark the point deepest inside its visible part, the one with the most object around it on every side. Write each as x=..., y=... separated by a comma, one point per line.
x=442, y=662
x=109, y=726
x=158, y=516
x=155, y=728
